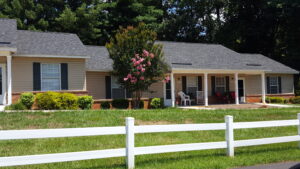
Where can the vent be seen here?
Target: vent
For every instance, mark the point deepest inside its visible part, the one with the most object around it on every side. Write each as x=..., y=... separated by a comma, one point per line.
x=181, y=63
x=5, y=43
x=253, y=64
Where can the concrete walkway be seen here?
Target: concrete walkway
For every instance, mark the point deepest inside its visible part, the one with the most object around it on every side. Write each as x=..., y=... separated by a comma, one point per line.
x=284, y=165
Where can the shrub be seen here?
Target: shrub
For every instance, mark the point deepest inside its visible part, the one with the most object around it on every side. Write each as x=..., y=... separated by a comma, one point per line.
x=105, y=105
x=141, y=104
x=67, y=101
x=120, y=103
x=16, y=106
x=275, y=100
x=85, y=102
x=295, y=100
x=27, y=99
x=48, y=100
x=156, y=103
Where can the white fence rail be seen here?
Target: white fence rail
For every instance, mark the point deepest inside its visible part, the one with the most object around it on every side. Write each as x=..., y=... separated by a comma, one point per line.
x=130, y=130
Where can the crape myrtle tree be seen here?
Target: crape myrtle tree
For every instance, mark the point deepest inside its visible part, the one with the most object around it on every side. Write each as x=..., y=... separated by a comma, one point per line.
x=138, y=61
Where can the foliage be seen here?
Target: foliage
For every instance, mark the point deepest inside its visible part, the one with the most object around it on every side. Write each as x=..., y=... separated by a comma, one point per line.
x=156, y=103
x=295, y=100
x=48, y=101
x=16, y=106
x=105, y=105
x=27, y=99
x=120, y=103
x=137, y=61
x=85, y=102
x=276, y=100
x=67, y=101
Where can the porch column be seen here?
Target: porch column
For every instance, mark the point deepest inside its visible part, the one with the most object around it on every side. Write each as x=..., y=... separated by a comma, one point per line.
x=263, y=88
x=172, y=89
x=236, y=82
x=9, y=83
x=205, y=90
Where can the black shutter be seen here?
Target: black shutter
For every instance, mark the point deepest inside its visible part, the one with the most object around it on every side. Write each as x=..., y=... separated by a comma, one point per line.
x=227, y=83
x=128, y=94
x=168, y=90
x=36, y=76
x=108, y=87
x=199, y=83
x=183, y=78
x=64, y=76
x=279, y=85
x=213, y=81
x=268, y=85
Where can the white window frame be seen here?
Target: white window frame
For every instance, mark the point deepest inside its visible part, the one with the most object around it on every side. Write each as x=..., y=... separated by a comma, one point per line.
x=114, y=79
x=59, y=70
x=219, y=86
x=272, y=85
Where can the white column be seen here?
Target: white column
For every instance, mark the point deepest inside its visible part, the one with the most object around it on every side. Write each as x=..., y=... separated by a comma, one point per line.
x=172, y=89
x=299, y=128
x=229, y=135
x=9, y=83
x=130, y=142
x=263, y=88
x=205, y=90
x=236, y=82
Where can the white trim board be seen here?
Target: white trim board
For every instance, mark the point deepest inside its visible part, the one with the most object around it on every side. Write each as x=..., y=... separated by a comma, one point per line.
x=52, y=56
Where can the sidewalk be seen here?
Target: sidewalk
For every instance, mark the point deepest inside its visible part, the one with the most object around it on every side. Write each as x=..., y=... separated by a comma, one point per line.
x=284, y=165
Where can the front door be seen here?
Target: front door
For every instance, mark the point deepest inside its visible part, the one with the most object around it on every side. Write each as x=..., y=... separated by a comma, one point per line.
x=2, y=84
x=241, y=90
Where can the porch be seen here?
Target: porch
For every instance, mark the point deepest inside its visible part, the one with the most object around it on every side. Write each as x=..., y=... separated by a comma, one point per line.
x=214, y=86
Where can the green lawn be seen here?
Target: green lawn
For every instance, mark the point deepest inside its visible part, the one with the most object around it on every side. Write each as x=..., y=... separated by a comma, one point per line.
x=213, y=159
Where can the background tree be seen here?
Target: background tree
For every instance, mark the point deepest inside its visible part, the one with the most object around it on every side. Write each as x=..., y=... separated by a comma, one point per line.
x=137, y=60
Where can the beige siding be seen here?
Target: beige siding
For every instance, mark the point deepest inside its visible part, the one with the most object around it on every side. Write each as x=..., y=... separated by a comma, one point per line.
x=155, y=90
x=253, y=84
x=22, y=72
x=96, y=84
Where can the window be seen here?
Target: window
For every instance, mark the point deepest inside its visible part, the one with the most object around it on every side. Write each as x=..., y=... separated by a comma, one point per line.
x=50, y=77
x=274, y=85
x=116, y=90
x=220, y=84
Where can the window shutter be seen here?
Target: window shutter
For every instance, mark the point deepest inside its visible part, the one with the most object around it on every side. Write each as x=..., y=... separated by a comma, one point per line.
x=36, y=76
x=213, y=81
x=227, y=83
x=64, y=76
x=108, y=87
x=268, y=85
x=279, y=85
x=183, y=78
x=199, y=83
x=128, y=94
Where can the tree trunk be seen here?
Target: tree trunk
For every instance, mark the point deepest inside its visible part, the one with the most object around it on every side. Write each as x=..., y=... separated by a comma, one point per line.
x=137, y=99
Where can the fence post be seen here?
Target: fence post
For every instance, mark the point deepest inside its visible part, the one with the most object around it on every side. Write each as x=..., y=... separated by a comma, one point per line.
x=229, y=135
x=299, y=127
x=130, y=142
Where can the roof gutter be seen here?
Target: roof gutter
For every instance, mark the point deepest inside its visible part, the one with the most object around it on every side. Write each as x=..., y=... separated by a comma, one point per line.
x=53, y=56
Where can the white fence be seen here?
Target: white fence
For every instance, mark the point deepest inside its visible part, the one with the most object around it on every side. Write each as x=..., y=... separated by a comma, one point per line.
x=130, y=130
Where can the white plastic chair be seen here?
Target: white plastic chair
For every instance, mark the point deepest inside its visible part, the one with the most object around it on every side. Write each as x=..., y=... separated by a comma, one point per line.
x=184, y=98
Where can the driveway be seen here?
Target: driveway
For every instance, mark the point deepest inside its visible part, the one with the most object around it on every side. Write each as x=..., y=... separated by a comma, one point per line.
x=284, y=165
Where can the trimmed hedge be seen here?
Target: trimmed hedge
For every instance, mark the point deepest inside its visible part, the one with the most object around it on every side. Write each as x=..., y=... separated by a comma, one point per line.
x=295, y=100
x=16, y=106
x=85, y=102
x=67, y=101
x=120, y=103
x=276, y=100
x=27, y=99
x=105, y=105
x=157, y=103
x=48, y=101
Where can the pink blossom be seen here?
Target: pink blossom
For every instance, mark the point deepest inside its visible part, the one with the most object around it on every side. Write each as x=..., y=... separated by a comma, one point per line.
x=143, y=70
x=151, y=55
x=144, y=65
x=137, y=55
x=149, y=63
x=133, y=60
x=142, y=78
x=137, y=73
x=145, y=53
x=141, y=60
x=125, y=79
x=129, y=76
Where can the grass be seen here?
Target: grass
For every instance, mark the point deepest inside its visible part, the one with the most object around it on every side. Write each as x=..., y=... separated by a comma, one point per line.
x=212, y=159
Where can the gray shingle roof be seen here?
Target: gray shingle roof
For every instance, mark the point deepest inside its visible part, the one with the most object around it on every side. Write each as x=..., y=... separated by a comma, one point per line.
x=99, y=59
x=49, y=43
x=180, y=55
x=8, y=36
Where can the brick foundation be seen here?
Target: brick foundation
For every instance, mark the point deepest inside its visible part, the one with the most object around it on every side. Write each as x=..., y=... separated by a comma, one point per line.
x=97, y=103
x=257, y=98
